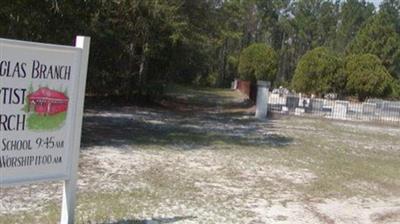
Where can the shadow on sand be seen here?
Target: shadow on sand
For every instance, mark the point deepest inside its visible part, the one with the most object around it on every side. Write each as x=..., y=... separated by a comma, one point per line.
x=188, y=120
x=154, y=221
x=189, y=131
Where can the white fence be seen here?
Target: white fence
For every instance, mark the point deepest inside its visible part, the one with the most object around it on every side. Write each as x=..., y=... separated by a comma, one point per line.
x=371, y=110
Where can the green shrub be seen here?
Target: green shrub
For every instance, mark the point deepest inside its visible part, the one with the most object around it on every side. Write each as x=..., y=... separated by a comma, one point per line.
x=258, y=62
x=232, y=65
x=318, y=72
x=366, y=76
x=210, y=80
x=395, y=90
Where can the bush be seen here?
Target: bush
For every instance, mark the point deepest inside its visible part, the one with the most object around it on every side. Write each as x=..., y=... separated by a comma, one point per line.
x=367, y=77
x=318, y=72
x=395, y=90
x=210, y=80
x=258, y=62
x=232, y=66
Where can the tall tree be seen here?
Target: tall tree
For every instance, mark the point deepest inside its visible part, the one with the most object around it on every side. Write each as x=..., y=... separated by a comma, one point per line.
x=379, y=37
x=136, y=43
x=314, y=22
x=392, y=9
x=305, y=24
x=353, y=15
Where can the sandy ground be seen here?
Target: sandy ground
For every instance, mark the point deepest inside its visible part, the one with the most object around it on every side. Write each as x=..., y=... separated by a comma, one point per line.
x=216, y=164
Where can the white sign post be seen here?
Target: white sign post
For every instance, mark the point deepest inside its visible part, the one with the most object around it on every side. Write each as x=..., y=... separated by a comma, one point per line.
x=42, y=89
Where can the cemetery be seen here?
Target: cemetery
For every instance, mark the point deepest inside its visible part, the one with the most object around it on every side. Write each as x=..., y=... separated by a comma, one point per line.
x=384, y=111
x=282, y=101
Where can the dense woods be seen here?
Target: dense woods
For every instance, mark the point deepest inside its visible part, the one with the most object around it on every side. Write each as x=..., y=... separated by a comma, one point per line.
x=313, y=46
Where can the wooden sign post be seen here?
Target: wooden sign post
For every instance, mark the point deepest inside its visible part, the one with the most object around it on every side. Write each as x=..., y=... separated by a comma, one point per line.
x=42, y=91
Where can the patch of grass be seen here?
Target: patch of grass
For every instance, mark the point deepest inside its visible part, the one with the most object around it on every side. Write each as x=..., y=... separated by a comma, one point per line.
x=50, y=215
x=201, y=96
x=387, y=217
x=38, y=122
x=343, y=169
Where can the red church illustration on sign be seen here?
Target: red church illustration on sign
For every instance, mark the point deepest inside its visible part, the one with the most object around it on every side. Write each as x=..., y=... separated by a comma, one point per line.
x=48, y=102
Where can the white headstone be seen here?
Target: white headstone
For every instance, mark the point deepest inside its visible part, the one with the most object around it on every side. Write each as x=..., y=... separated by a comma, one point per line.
x=285, y=109
x=299, y=111
x=340, y=109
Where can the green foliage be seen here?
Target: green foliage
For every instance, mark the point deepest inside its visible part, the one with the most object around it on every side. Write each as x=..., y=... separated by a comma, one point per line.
x=211, y=80
x=136, y=43
x=305, y=25
x=318, y=72
x=395, y=90
x=353, y=15
x=366, y=76
x=392, y=9
x=258, y=62
x=233, y=63
x=379, y=37
x=315, y=24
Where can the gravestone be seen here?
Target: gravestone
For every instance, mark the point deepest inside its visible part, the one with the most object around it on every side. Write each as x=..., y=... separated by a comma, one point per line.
x=390, y=110
x=275, y=98
x=317, y=104
x=292, y=102
x=340, y=109
x=285, y=110
x=304, y=102
x=368, y=109
x=299, y=111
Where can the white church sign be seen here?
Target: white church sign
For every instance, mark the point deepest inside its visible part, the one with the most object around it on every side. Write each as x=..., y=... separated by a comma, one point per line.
x=42, y=90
